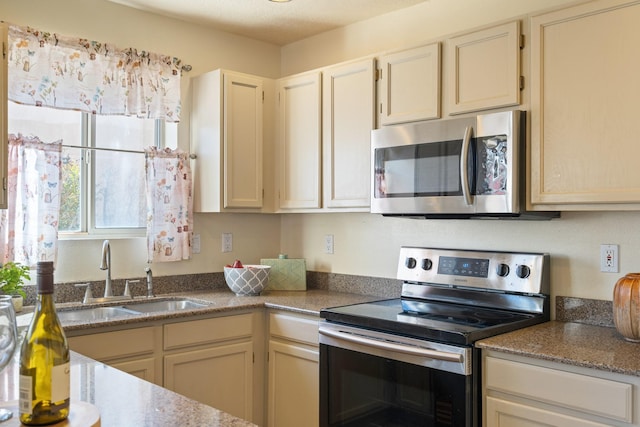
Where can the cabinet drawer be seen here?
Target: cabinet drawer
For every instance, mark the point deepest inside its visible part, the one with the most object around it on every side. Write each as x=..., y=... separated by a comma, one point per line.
x=117, y=344
x=206, y=331
x=592, y=395
x=294, y=328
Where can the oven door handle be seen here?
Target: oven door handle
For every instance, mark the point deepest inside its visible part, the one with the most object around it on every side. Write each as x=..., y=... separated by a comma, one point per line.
x=385, y=345
x=464, y=166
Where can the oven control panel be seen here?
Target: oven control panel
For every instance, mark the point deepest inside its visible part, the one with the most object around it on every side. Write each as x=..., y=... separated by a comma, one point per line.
x=501, y=271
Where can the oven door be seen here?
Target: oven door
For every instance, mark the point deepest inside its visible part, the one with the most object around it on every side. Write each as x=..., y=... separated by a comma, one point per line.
x=368, y=378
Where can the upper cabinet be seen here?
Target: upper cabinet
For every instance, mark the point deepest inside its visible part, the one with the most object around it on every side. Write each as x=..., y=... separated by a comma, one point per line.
x=584, y=107
x=348, y=116
x=409, y=85
x=484, y=69
x=299, y=142
x=325, y=122
x=4, y=127
x=226, y=136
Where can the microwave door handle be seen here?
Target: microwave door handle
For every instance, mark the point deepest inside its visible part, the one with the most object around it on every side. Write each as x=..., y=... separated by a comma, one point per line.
x=464, y=166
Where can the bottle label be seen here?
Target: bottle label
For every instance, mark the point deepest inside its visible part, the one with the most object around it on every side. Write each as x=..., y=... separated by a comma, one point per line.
x=26, y=393
x=60, y=382
x=60, y=387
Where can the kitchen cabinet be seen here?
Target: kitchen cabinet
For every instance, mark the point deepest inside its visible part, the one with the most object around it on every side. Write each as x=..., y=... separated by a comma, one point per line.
x=4, y=124
x=227, y=138
x=293, y=371
x=211, y=361
x=134, y=351
x=348, y=116
x=484, y=68
x=584, y=72
x=521, y=391
x=409, y=85
x=299, y=148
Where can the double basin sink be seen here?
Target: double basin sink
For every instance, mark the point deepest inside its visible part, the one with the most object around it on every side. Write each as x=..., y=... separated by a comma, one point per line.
x=129, y=309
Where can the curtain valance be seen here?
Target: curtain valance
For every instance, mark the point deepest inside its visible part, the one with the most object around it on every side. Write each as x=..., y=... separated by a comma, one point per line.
x=47, y=69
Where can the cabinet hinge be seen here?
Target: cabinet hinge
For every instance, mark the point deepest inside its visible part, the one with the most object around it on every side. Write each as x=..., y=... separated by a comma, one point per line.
x=4, y=183
x=4, y=50
x=263, y=97
x=254, y=357
x=521, y=41
x=521, y=82
x=378, y=74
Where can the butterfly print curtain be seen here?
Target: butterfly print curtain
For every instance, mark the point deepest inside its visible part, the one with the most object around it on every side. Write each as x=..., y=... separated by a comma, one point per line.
x=169, y=205
x=29, y=225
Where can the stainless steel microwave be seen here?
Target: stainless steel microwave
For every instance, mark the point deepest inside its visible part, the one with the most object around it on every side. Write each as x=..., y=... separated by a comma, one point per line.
x=457, y=168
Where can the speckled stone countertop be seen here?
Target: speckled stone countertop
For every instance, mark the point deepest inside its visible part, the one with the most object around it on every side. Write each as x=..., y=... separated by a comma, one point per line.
x=220, y=301
x=572, y=343
x=122, y=399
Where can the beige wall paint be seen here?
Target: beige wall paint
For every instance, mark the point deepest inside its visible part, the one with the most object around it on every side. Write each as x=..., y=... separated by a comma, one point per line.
x=255, y=236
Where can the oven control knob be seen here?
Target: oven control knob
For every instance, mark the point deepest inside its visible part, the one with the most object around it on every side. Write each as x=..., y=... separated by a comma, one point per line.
x=502, y=270
x=427, y=264
x=522, y=271
x=410, y=262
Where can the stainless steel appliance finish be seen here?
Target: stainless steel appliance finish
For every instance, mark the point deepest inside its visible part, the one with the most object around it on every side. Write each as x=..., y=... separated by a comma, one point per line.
x=374, y=355
x=460, y=168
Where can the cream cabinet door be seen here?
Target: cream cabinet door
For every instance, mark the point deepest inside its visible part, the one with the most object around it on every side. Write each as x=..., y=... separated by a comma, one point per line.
x=409, y=85
x=220, y=376
x=142, y=368
x=504, y=413
x=227, y=138
x=484, y=69
x=348, y=116
x=4, y=126
x=294, y=388
x=299, y=159
x=584, y=107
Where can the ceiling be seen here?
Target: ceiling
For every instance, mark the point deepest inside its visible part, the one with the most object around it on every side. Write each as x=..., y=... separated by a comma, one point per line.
x=277, y=23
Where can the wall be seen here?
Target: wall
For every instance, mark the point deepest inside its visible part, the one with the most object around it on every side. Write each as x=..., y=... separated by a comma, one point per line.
x=368, y=244
x=204, y=49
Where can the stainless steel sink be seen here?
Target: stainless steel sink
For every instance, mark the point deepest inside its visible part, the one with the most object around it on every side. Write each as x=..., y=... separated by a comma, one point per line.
x=165, y=305
x=95, y=313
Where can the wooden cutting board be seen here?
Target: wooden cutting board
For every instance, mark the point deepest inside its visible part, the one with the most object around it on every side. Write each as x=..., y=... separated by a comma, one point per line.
x=287, y=274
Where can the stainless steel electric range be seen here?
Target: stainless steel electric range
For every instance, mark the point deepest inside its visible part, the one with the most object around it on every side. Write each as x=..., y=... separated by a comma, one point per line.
x=411, y=361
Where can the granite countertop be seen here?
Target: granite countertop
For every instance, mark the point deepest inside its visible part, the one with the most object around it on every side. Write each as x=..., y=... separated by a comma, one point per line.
x=219, y=301
x=590, y=346
x=122, y=399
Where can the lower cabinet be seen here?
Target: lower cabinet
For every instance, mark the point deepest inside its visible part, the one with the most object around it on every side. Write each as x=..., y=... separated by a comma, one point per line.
x=525, y=392
x=293, y=371
x=211, y=361
x=134, y=351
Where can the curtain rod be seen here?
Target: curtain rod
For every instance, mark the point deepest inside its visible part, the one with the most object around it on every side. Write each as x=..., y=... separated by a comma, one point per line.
x=120, y=150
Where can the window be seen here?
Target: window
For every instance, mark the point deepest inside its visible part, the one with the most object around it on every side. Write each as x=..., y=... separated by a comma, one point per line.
x=103, y=189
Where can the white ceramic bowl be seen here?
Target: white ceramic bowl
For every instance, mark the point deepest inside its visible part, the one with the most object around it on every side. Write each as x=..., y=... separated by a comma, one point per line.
x=248, y=280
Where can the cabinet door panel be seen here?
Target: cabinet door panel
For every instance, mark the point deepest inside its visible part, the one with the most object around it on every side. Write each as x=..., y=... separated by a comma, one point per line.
x=142, y=368
x=293, y=386
x=485, y=67
x=410, y=85
x=503, y=413
x=347, y=120
x=4, y=136
x=243, y=142
x=584, y=107
x=300, y=142
x=220, y=377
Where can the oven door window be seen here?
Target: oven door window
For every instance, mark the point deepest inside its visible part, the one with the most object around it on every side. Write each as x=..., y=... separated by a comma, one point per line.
x=362, y=390
x=421, y=170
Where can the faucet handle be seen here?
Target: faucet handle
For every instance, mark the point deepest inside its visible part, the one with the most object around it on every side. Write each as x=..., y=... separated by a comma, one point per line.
x=88, y=296
x=127, y=289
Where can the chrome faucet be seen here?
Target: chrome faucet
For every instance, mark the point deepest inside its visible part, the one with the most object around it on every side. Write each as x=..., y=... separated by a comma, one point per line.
x=106, y=265
x=149, y=282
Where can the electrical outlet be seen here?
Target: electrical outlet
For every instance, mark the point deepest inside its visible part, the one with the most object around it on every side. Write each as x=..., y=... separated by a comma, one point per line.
x=609, y=258
x=227, y=242
x=195, y=244
x=328, y=244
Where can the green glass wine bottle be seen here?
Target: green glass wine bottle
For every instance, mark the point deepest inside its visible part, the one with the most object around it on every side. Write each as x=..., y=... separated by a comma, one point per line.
x=44, y=360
